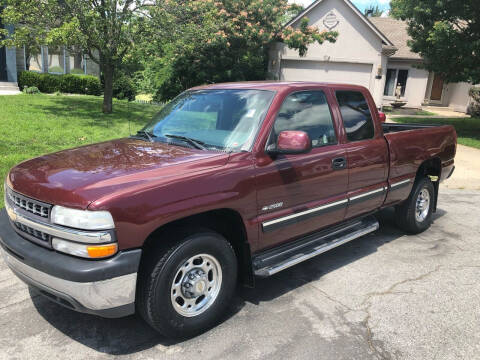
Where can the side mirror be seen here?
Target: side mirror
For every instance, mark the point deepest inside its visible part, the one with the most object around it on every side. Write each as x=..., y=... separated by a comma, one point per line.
x=382, y=116
x=290, y=143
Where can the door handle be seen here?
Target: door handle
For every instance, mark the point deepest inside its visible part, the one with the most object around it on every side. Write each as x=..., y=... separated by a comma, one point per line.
x=339, y=163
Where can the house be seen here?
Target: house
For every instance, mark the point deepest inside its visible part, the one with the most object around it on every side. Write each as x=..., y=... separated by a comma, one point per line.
x=371, y=52
x=44, y=59
x=8, y=69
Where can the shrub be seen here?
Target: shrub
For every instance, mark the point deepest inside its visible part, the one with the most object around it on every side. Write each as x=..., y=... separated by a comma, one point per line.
x=28, y=79
x=474, y=108
x=124, y=88
x=92, y=85
x=31, y=90
x=49, y=83
x=69, y=83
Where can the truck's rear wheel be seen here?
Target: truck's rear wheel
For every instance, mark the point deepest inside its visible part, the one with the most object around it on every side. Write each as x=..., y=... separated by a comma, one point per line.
x=415, y=214
x=185, y=289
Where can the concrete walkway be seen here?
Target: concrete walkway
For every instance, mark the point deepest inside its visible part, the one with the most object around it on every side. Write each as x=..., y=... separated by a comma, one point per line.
x=438, y=113
x=467, y=169
x=444, y=112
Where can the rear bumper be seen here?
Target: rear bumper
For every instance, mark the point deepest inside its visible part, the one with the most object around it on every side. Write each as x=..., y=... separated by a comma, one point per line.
x=447, y=171
x=101, y=287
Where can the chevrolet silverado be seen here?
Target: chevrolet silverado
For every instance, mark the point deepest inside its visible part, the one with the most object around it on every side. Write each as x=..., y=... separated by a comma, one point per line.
x=227, y=183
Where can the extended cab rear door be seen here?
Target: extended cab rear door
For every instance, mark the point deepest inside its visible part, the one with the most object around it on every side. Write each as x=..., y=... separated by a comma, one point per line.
x=300, y=194
x=367, y=150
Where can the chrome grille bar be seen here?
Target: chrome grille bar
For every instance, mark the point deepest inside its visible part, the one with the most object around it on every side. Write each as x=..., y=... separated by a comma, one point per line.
x=32, y=206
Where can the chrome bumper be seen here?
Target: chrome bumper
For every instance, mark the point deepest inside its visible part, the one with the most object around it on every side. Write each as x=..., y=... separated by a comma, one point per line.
x=93, y=297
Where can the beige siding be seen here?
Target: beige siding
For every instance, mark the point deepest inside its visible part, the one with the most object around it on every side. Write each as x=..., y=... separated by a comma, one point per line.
x=458, y=98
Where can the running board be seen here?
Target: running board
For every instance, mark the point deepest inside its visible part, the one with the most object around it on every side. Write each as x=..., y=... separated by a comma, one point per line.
x=273, y=261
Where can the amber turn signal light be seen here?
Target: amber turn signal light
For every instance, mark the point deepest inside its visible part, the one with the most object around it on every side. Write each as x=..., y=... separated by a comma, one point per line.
x=101, y=251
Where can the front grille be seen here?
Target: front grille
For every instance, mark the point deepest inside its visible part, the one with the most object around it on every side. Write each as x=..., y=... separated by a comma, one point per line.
x=30, y=209
x=32, y=232
x=30, y=205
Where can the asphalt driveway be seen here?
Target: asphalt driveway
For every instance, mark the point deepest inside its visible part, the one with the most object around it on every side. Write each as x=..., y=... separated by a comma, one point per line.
x=385, y=296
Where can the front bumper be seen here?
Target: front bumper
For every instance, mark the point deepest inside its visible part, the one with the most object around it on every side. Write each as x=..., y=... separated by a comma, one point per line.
x=100, y=287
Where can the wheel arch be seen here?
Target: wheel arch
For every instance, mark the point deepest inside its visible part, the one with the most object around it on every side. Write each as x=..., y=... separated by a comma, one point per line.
x=433, y=169
x=227, y=222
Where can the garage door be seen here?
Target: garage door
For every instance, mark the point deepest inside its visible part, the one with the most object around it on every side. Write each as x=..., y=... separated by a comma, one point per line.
x=301, y=70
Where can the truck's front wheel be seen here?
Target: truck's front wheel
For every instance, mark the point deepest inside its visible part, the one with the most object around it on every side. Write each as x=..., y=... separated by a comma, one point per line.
x=185, y=289
x=415, y=214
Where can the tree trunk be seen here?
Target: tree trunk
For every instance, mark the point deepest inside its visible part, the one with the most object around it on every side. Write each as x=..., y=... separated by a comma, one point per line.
x=108, y=71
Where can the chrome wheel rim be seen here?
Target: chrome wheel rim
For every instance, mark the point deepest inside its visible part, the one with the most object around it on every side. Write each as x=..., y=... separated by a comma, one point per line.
x=422, y=206
x=196, y=285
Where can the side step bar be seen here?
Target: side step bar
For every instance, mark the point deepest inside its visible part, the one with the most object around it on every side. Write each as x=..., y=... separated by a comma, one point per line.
x=273, y=261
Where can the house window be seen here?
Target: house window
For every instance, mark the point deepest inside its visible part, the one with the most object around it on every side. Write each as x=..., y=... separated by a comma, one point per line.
x=394, y=78
x=56, y=60
x=77, y=62
x=33, y=59
x=91, y=67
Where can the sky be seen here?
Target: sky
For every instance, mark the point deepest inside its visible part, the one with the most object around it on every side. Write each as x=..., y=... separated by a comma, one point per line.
x=361, y=4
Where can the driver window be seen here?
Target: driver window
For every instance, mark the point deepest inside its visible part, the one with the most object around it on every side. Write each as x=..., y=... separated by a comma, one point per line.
x=307, y=111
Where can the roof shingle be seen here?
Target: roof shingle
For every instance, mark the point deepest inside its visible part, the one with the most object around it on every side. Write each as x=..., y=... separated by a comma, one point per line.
x=396, y=31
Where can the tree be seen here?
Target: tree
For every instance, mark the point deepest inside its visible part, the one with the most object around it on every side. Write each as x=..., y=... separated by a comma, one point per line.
x=446, y=33
x=104, y=29
x=373, y=11
x=225, y=40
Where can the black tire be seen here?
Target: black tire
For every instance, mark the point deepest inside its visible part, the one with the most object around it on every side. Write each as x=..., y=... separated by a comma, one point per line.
x=405, y=213
x=156, y=278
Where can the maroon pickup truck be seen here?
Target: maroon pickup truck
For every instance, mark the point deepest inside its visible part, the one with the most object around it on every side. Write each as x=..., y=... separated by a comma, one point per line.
x=226, y=183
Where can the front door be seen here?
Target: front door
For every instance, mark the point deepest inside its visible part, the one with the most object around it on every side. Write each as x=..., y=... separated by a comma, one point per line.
x=437, y=89
x=299, y=194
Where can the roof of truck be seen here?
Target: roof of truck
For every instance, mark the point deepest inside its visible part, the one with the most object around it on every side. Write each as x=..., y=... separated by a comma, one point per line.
x=272, y=85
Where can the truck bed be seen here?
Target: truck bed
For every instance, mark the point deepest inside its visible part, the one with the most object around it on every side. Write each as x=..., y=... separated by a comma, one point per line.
x=392, y=128
x=412, y=144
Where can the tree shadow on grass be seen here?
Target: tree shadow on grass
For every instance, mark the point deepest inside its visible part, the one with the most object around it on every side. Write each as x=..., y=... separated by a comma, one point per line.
x=130, y=335
x=89, y=109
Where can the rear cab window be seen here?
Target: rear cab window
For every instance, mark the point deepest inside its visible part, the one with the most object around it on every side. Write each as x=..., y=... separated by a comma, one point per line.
x=356, y=115
x=307, y=111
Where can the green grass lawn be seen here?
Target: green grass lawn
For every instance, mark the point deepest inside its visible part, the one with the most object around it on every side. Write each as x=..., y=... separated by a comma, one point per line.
x=33, y=125
x=468, y=129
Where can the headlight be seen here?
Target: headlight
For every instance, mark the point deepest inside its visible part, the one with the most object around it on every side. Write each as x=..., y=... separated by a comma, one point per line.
x=82, y=219
x=85, y=250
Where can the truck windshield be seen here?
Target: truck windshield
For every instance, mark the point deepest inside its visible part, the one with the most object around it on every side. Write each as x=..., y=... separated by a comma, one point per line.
x=225, y=120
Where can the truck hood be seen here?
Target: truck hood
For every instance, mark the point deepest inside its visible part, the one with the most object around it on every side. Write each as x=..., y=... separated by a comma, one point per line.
x=77, y=177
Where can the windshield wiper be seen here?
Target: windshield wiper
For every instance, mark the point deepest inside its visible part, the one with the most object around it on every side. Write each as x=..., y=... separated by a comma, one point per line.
x=149, y=135
x=195, y=143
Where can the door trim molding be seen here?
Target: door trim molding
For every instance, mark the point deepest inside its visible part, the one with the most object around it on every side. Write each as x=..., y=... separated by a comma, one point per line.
x=399, y=184
x=280, y=222
x=367, y=196
x=300, y=216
